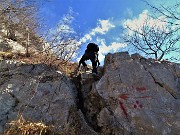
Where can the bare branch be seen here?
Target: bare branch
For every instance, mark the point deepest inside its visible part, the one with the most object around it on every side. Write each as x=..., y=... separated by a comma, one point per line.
x=152, y=39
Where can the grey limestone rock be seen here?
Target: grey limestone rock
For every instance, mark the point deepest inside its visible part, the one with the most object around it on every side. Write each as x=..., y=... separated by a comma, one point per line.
x=134, y=97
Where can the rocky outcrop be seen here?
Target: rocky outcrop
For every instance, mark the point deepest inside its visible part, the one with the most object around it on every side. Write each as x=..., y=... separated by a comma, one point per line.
x=134, y=96
x=7, y=45
x=39, y=93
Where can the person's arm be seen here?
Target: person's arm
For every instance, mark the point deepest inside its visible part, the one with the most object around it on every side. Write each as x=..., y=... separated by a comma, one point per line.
x=98, y=60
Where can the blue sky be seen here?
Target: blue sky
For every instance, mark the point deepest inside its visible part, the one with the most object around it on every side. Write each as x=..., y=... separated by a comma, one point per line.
x=98, y=21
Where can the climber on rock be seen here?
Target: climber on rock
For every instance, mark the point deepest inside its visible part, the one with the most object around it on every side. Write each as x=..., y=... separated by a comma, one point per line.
x=91, y=53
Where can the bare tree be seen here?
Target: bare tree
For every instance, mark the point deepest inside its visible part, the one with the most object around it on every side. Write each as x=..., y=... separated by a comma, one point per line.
x=152, y=38
x=62, y=41
x=171, y=12
x=19, y=19
x=16, y=16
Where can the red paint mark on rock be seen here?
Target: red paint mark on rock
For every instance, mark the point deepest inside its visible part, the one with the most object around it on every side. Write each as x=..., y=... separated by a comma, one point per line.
x=137, y=102
x=135, y=106
x=123, y=108
x=141, y=106
x=124, y=96
x=140, y=89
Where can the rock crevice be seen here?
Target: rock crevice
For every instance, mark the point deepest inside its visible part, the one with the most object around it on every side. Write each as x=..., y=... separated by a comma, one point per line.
x=161, y=84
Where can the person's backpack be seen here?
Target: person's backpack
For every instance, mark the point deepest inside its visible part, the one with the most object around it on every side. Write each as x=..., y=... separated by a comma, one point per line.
x=92, y=47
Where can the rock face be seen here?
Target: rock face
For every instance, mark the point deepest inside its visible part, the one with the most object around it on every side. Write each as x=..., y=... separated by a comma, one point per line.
x=134, y=96
x=36, y=91
x=40, y=94
x=7, y=45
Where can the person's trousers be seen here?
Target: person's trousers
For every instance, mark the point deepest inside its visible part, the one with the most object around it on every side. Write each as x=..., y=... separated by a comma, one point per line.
x=89, y=56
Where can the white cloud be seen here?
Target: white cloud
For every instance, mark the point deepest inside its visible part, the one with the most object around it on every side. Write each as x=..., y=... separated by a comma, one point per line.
x=85, y=38
x=128, y=12
x=145, y=19
x=113, y=47
x=104, y=49
x=116, y=46
x=102, y=28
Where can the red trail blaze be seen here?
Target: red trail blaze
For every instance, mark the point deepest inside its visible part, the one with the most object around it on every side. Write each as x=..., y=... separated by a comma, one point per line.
x=140, y=89
x=124, y=96
x=123, y=108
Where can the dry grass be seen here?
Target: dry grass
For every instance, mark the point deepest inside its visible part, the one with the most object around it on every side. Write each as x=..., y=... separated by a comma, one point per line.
x=6, y=55
x=23, y=127
x=52, y=61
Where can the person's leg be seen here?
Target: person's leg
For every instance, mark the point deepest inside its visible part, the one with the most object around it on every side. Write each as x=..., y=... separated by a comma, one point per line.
x=94, y=63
